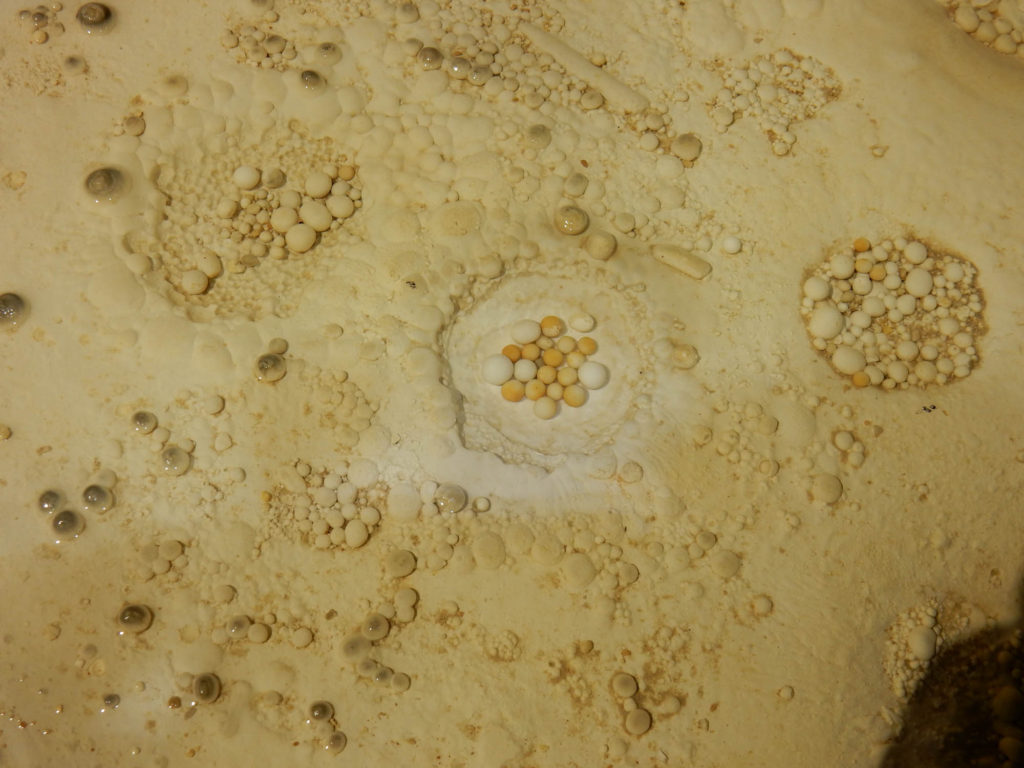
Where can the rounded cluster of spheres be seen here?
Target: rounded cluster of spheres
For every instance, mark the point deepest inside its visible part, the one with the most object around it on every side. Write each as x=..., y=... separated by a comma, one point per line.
x=67, y=524
x=995, y=25
x=300, y=216
x=896, y=314
x=545, y=366
x=638, y=720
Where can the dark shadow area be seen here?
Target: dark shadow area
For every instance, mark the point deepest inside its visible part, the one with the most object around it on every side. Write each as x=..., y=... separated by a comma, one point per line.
x=969, y=710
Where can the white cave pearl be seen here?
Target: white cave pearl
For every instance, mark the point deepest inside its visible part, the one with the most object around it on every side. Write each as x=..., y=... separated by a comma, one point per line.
x=497, y=369
x=593, y=375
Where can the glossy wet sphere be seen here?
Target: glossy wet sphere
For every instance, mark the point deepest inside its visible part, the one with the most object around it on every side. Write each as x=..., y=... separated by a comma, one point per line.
x=450, y=498
x=430, y=58
x=321, y=710
x=94, y=16
x=68, y=524
x=238, y=626
x=96, y=497
x=105, y=184
x=375, y=627
x=12, y=309
x=49, y=501
x=312, y=81
x=336, y=742
x=206, y=687
x=328, y=53
x=271, y=368
x=143, y=422
x=134, y=618
x=174, y=460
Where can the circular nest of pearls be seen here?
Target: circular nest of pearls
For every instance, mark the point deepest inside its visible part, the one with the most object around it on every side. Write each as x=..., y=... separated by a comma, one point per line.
x=545, y=366
x=895, y=315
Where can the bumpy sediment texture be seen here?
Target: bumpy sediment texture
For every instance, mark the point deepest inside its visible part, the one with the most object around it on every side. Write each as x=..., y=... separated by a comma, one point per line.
x=535, y=385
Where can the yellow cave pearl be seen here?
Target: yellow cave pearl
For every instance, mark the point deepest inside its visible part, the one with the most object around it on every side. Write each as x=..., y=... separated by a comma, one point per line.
x=586, y=345
x=552, y=326
x=547, y=374
x=535, y=389
x=567, y=376
x=513, y=390
x=552, y=357
x=574, y=395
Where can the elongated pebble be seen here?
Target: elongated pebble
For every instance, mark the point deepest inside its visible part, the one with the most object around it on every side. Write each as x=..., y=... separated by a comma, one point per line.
x=686, y=262
x=582, y=322
x=615, y=91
